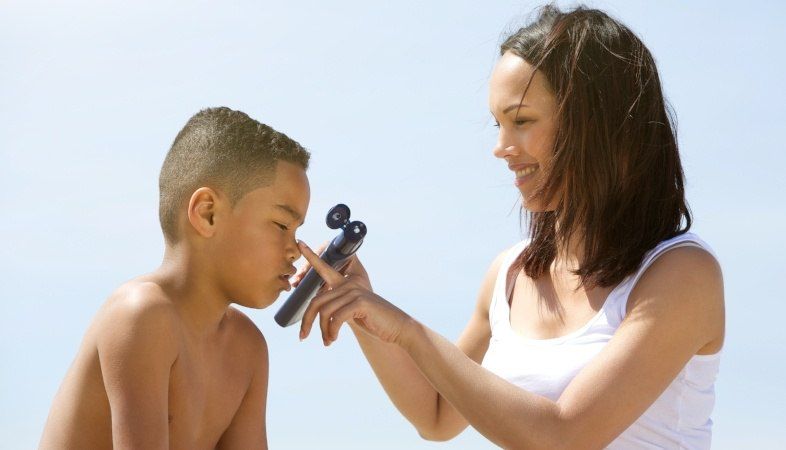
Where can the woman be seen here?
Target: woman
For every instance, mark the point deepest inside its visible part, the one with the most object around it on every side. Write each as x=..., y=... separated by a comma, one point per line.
x=605, y=327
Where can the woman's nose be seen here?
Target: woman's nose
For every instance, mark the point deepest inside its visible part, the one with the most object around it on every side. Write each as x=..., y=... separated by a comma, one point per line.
x=503, y=150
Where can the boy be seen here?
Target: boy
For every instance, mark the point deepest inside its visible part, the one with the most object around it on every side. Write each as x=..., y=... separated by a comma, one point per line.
x=167, y=362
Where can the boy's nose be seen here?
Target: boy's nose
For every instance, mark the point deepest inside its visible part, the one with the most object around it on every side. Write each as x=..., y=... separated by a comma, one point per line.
x=293, y=252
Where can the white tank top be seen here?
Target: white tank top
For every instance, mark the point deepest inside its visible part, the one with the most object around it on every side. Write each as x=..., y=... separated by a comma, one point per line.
x=679, y=418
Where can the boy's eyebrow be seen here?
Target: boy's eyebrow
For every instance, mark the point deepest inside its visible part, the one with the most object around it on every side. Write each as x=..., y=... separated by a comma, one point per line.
x=295, y=215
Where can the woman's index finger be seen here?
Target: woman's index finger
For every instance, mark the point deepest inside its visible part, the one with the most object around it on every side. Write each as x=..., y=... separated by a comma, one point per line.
x=331, y=276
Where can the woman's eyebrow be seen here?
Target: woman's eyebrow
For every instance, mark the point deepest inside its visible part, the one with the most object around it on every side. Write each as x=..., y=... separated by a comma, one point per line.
x=520, y=105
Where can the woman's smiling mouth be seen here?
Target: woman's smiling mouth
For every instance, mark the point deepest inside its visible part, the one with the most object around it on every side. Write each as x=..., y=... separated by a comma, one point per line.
x=524, y=173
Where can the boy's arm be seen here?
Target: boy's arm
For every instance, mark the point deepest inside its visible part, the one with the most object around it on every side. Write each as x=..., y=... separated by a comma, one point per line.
x=136, y=348
x=248, y=429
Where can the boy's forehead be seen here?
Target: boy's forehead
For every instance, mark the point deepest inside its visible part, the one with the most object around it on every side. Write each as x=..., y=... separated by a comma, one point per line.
x=289, y=193
x=268, y=201
x=288, y=210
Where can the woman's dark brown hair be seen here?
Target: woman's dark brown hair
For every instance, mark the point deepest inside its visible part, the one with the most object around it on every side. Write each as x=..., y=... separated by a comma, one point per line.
x=615, y=177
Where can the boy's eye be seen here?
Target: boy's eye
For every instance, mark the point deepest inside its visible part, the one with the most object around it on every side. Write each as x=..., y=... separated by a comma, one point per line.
x=282, y=226
x=496, y=124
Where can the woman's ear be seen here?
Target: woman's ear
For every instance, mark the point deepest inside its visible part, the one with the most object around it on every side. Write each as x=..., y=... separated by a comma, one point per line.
x=202, y=209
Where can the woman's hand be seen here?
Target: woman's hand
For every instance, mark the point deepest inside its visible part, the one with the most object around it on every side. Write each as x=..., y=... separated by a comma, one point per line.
x=353, y=269
x=349, y=298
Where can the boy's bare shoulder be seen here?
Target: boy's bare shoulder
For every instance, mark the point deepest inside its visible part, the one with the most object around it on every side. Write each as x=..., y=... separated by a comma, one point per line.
x=246, y=332
x=138, y=306
x=139, y=299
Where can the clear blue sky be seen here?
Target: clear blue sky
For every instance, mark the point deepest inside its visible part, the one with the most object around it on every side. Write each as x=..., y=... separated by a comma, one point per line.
x=92, y=94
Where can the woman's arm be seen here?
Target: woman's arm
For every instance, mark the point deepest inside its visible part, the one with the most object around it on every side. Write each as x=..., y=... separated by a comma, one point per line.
x=675, y=310
x=411, y=393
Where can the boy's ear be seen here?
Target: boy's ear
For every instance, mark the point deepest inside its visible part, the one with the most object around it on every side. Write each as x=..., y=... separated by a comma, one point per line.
x=202, y=209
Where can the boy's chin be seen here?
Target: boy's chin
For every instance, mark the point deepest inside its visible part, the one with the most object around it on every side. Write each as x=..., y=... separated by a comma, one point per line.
x=256, y=304
x=260, y=301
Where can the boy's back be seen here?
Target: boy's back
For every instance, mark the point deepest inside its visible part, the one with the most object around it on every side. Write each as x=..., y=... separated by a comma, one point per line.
x=139, y=353
x=167, y=362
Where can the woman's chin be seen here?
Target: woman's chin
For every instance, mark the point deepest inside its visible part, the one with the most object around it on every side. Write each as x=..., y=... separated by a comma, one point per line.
x=532, y=206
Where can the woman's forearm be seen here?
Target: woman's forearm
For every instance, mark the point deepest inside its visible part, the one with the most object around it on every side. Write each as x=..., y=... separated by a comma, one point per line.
x=505, y=414
x=408, y=389
x=434, y=383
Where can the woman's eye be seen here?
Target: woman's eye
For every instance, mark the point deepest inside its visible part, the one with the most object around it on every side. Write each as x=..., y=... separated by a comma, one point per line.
x=517, y=122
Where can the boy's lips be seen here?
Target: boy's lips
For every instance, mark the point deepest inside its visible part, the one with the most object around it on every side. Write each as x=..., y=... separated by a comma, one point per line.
x=284, y=277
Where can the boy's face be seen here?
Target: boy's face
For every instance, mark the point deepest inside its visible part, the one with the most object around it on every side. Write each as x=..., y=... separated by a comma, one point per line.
x=256, y=245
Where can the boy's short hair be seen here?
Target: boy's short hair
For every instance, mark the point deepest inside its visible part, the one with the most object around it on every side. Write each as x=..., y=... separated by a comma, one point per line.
x=223, y=149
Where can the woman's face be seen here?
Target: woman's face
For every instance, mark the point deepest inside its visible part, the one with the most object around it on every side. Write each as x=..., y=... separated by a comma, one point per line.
x=526, y=126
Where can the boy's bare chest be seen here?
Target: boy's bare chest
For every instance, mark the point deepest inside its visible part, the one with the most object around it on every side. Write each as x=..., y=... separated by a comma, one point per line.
x=205, y=390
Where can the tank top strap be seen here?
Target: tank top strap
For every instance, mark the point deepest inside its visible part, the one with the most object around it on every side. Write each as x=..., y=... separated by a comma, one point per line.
x=617, y=308
x=498, y=309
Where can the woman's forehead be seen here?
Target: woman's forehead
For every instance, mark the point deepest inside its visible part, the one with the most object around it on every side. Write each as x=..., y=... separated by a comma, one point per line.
x=509, y=80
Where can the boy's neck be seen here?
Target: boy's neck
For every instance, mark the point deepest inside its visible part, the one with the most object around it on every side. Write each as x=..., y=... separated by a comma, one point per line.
x=189, y=282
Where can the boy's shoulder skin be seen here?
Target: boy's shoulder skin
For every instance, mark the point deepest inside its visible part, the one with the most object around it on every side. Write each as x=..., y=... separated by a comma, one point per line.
x=144, y=378
x=167, y=363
